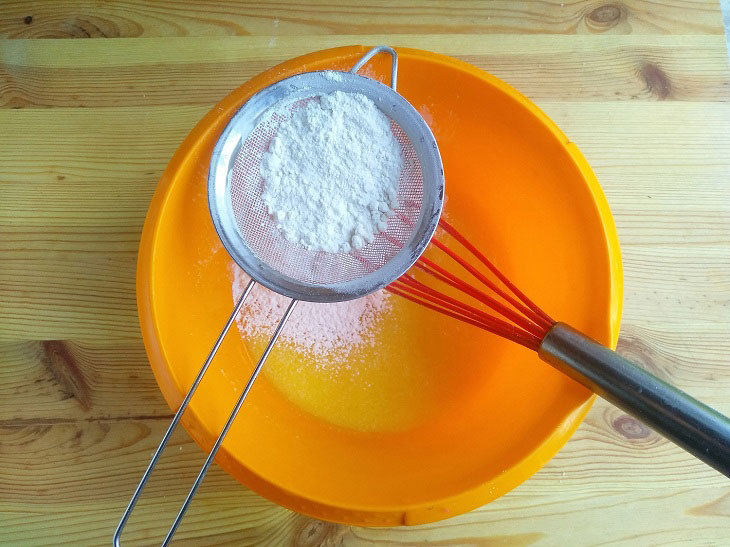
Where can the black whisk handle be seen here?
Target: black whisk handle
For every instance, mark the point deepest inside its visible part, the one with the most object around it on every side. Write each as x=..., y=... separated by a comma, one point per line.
x=694, y=426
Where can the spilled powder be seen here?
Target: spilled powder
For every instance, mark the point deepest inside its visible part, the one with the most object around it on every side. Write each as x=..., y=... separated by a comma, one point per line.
x=328, y=333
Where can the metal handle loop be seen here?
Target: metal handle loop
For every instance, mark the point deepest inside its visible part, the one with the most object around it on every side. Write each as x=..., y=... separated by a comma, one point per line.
x=372, y=53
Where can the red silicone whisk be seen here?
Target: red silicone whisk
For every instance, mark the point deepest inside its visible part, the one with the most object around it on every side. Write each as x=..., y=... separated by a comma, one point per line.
x=502, y=309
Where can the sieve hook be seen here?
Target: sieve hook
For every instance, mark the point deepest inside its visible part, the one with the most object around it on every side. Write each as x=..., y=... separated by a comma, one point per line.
x=372, y=53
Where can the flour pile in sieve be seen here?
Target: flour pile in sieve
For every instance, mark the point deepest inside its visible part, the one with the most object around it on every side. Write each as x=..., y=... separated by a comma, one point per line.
x=331, y=173
x=327, y=332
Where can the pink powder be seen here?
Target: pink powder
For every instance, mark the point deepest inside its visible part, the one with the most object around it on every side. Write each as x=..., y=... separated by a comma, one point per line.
x=323, y=330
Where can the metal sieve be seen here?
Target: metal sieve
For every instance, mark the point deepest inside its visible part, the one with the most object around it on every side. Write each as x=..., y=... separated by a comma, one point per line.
x=256, y=244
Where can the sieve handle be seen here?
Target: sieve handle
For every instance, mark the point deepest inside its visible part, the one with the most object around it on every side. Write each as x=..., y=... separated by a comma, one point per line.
x=178, y=415
x=229, y=423
x=699, y=429
x=181, y=411
x=372, y=53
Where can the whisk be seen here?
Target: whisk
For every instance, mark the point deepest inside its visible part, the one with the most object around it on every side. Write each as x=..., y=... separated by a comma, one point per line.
x=694, y=426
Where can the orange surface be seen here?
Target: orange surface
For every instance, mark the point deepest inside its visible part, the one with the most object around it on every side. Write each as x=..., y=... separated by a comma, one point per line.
x=469, y=416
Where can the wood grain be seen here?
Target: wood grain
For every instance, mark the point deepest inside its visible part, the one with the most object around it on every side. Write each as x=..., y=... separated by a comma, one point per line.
x=85, y=471
x=133, y=18
x=54, y=382
x=194, y=71
x=87, y=127
x=102, y=379
x=69, y=259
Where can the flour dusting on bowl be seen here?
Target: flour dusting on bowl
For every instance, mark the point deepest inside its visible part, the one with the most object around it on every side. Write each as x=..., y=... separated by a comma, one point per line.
x=328, y=333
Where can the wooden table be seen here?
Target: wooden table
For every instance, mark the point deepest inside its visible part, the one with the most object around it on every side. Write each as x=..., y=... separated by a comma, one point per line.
x=87, y=127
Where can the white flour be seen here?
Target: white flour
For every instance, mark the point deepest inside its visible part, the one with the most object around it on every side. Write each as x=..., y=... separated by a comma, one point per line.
x=327, y=332
x=331, y=173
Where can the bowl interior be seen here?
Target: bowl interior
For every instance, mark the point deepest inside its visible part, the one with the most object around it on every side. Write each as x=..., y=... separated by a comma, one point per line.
x=442, y=417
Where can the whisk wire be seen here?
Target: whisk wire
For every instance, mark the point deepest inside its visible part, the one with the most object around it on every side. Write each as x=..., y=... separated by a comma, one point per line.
x=528, y=312
x=453, y=232
x=458, y=306
x=517, y=338
x=447, y=277
x=522, y=321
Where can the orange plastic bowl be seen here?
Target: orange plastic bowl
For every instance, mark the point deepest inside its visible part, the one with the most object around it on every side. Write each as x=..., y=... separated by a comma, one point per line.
x=450, y=417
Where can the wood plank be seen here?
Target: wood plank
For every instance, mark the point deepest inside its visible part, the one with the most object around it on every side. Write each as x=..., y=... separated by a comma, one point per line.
x=611, y=450
x=182, y=51
x=75, y=295
x=134, y=144
x=44, y=382
x=71, y=221
x=634, y=135
x=71, y=224
x=693, y=516
x=53, y=382
x=130, y=18
x=684, y=517
x=84, y=145
x=649, y=205
x=692, y=356
x=86, y=471
x=681, y=285
x=83, y=255
x=49, y=295
x=174, y=71
x=646, y=518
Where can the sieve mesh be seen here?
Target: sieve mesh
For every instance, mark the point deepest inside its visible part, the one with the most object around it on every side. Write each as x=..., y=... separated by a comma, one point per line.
x=265, y=240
